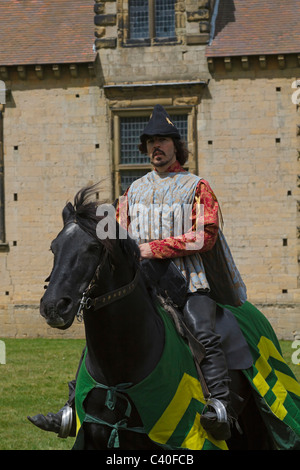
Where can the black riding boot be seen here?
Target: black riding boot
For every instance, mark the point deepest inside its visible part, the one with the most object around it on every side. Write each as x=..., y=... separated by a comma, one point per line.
x=63, y=422
x=200, y=315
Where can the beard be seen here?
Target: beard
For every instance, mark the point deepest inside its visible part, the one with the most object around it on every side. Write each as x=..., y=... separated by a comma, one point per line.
x=159, y=158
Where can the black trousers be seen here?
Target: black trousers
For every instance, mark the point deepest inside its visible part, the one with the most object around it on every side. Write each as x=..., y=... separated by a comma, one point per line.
x=199, y=313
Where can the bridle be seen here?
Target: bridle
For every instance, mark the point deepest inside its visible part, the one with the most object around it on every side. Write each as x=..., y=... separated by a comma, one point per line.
x=87, y=302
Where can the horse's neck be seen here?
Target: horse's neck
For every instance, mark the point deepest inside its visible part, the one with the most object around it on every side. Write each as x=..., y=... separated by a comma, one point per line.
x=124, y=339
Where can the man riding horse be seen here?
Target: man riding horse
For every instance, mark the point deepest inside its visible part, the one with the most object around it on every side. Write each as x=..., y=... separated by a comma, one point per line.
x=200, y=254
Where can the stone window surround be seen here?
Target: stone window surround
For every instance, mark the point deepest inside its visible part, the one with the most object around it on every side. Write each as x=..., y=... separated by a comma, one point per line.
x=144, y=108
x=112, y=27
x=152, y=40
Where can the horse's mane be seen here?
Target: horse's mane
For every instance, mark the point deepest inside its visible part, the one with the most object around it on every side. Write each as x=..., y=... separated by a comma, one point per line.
x=84, y=211
x=85, y=207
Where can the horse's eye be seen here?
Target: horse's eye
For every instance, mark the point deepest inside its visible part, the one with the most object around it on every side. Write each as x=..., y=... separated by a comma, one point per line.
x=94, y=248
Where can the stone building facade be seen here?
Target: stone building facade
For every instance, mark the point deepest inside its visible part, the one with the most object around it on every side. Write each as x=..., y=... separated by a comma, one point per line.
x=70, y=111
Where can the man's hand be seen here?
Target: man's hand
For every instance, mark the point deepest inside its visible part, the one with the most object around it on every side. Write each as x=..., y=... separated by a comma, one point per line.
x=145, y=251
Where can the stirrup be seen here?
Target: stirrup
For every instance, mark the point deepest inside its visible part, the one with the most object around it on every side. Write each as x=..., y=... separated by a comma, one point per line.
x=66, y=422
x=219, y=408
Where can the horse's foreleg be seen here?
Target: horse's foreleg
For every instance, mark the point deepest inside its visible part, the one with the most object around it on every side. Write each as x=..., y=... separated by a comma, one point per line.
x=96, y=436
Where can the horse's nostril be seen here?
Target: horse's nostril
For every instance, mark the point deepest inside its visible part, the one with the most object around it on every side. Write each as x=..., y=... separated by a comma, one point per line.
x=64, y=304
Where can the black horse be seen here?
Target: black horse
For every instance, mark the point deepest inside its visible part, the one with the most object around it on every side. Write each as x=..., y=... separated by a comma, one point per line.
x=124, y=333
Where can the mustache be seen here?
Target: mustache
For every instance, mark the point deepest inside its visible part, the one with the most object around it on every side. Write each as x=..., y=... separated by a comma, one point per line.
x=156, y=151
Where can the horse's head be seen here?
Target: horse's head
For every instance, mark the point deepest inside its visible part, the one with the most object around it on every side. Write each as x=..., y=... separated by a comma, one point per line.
x=79, y=249
x=76, y=256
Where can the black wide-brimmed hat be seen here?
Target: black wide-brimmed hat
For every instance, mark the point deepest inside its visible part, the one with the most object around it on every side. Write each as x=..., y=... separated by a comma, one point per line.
x=160, y=123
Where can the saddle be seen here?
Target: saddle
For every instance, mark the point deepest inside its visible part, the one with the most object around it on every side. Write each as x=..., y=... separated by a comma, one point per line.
x=164, y=276
x=168, y=283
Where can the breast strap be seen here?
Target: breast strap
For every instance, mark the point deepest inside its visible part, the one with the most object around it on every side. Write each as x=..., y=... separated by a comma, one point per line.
x=114, y=392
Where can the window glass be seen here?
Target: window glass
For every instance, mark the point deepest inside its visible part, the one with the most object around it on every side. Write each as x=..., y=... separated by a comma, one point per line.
x=130, y=131
x=165, y=18
x=139, y=19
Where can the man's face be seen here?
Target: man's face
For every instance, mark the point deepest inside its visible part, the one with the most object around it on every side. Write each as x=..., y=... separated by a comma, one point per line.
x=161, y=151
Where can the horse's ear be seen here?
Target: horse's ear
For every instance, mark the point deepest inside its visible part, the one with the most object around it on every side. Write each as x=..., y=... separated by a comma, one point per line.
x=68, y=212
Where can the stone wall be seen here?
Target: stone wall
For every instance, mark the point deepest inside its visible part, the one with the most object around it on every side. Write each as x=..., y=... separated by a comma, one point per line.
x=246, y=143
x=243, y=131
x=55, y=142
x=248, y=149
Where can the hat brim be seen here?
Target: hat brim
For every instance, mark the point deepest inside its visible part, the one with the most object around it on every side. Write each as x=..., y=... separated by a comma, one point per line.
x=174, y=135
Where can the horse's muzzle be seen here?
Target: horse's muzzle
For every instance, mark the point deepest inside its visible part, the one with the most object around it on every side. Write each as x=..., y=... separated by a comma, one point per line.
x=57, y=315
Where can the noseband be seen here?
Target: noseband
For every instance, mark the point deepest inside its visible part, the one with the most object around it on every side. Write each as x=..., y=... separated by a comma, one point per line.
x=87, y=302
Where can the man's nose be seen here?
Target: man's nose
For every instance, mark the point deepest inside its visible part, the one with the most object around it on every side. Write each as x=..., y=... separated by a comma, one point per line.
x=157, y=141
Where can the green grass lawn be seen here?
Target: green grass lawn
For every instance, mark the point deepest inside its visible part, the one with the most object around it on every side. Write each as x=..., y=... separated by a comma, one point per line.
x=35, y=380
